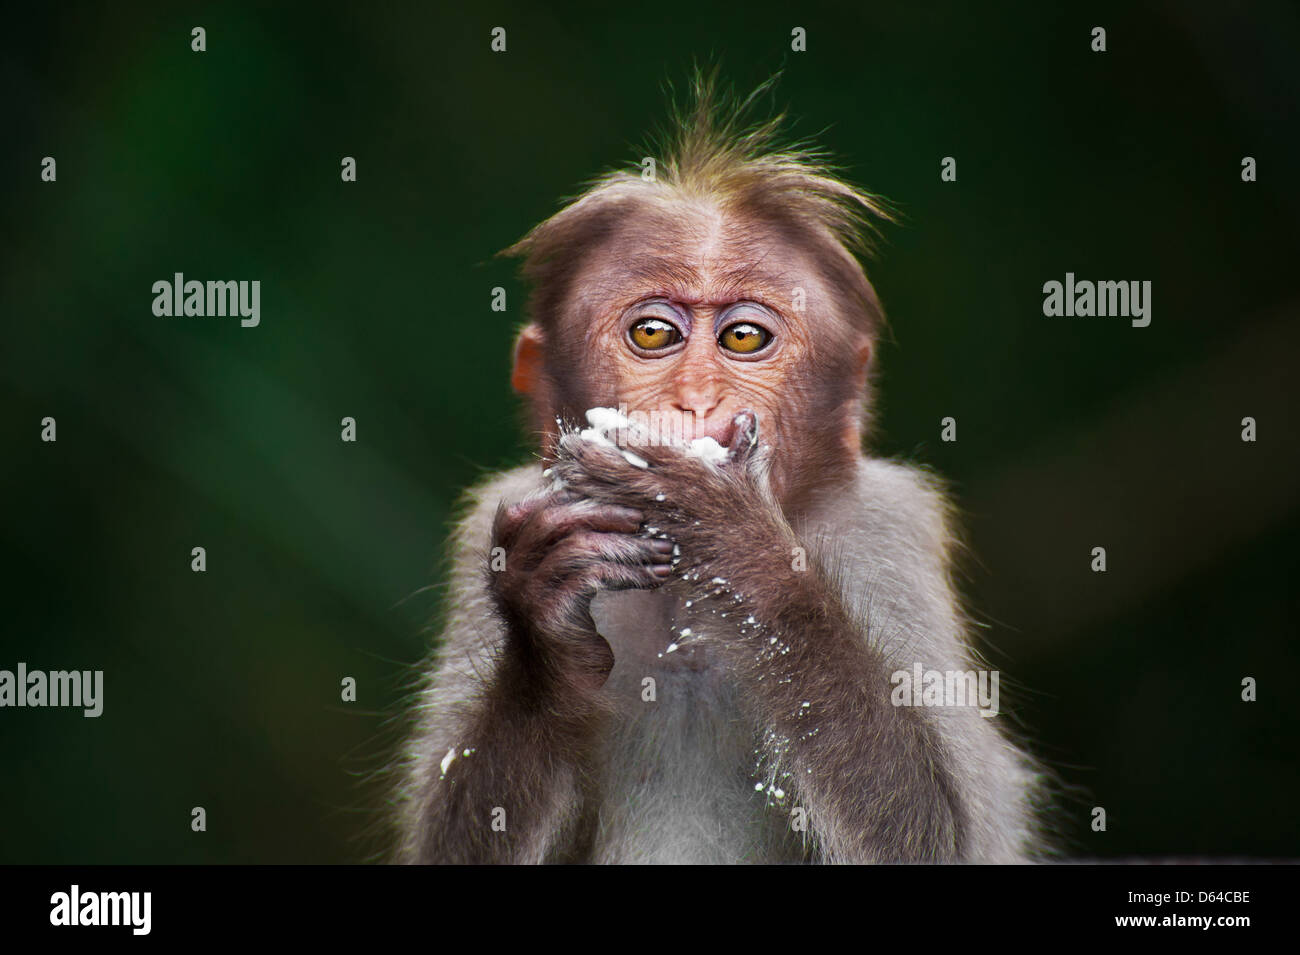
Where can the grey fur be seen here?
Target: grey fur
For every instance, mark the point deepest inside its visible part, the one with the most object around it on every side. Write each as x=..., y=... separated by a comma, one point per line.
x=676, y=779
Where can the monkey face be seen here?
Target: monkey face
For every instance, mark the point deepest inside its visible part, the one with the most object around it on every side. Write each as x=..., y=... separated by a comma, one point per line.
x=689, y=313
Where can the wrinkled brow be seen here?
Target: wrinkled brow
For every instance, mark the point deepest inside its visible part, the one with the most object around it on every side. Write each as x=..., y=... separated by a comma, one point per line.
x=674, y=275
x=653, y=269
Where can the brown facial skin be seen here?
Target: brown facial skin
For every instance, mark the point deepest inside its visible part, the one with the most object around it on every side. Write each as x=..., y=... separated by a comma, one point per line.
x=695, y=271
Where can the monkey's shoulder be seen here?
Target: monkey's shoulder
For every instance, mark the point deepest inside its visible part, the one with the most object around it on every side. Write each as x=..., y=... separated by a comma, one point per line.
x=887, y=502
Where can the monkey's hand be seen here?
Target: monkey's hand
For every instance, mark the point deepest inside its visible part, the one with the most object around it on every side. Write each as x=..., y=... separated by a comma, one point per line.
x=871, y=775
x=720, y=515
x=559, y=550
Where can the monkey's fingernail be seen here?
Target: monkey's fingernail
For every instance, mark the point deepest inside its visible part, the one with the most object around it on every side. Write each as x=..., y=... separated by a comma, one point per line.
x=661, y=570
x=744, y=433
x=662, y=547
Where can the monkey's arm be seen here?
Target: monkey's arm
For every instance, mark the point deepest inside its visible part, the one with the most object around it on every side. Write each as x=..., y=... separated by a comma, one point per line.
x=494, y=770
x=878, y=782
x=873, y=778
x=507, y=788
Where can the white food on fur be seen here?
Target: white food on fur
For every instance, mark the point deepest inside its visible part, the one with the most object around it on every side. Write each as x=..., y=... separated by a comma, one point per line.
x=447, y=760
x=602, y=421
x=707, y=449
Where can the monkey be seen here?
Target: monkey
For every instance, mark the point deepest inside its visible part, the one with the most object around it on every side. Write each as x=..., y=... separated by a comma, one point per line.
x=683, y=648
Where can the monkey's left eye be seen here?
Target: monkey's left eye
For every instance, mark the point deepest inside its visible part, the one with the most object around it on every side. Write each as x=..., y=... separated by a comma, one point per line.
x=654, y=333
x=744, y=338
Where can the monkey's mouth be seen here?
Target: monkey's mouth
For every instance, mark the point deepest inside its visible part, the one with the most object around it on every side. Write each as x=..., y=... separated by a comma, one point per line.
x=722, y=434
x=624, y=431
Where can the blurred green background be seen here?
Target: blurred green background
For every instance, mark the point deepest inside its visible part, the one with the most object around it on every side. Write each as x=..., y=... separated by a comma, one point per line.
x=222, y=689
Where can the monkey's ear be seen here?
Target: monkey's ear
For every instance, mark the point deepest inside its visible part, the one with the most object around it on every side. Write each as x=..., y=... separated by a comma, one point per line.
x=853, y=427
x=527, y=373
x=865, y=348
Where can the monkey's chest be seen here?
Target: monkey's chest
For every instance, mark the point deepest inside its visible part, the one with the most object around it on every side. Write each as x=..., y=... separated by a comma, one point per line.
x=642, y=630
x=678, y=776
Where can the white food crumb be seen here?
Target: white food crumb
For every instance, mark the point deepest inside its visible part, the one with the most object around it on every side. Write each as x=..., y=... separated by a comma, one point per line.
x=603, y=421
x=596, y=436
x=707, y=449
x=606, y=419
x=447, y=760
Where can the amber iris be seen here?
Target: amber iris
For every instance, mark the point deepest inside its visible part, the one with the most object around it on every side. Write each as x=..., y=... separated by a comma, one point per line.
x=743, y=338
x=653, y=333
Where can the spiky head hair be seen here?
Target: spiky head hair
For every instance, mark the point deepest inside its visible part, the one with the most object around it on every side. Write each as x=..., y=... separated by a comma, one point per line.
x=713, y=152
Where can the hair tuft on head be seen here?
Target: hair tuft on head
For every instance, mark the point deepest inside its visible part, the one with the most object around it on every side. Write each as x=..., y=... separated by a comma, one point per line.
x=719, y=147
x=715, y=151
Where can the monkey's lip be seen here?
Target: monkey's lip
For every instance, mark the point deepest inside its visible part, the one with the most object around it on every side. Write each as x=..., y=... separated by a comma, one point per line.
x=721, y=429
x=721, y=434
x=724, y=432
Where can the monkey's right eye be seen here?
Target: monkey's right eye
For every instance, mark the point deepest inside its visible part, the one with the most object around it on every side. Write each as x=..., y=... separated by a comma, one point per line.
x=652, y=334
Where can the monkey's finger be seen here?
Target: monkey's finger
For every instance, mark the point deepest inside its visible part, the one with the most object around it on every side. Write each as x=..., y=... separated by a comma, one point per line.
x=638, y=470
x=576, y=552
x=563, y=495
x=601, y=452
x=744, y=435
x=596, y=470
x=614, y=576
x=507, y=521
x=549, y=524
x=510, y=519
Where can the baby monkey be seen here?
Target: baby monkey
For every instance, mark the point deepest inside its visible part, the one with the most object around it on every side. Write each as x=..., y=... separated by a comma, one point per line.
x=683, y=643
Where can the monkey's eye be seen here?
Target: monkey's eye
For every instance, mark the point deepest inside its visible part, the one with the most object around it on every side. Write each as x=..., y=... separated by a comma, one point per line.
x=654, y=333
x=743, y=338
